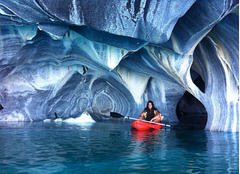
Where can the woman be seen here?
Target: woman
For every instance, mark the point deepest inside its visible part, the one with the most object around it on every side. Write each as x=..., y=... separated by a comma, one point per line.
x=150, y=113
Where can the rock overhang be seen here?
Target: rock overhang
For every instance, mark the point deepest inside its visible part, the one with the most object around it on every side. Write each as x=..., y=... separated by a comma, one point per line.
x=114, y=56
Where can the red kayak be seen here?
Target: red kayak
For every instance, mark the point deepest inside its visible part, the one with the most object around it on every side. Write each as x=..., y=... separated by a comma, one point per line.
x=140, y=125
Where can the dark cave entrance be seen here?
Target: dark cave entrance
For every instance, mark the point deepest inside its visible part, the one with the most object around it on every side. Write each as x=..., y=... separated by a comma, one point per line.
x=1, y=107
x=190, y=111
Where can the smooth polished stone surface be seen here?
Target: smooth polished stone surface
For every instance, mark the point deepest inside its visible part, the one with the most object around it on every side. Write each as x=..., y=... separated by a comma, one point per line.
x=68, y=57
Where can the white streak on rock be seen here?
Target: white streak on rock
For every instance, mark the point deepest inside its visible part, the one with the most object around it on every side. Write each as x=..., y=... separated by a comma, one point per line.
x=135, y=82
x=27, y=32
x=74, y=16
x=114, y=57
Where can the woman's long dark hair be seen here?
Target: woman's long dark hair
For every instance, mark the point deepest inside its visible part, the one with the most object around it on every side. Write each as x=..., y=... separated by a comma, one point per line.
x=153, y=107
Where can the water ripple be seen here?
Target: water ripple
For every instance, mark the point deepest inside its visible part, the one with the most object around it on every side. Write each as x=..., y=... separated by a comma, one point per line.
x=114, y=148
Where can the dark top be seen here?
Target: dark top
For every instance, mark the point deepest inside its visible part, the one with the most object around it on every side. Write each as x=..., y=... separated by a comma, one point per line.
x=150, y=114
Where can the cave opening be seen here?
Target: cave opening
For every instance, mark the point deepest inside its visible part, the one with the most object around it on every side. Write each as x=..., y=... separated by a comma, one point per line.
x=190, y=111
x=197, y=80
x=1, y=107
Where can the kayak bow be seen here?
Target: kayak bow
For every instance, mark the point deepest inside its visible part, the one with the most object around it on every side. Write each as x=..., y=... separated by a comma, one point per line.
x=140, y=125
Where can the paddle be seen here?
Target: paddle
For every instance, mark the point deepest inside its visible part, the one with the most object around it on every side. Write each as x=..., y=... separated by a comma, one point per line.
x=117, y=115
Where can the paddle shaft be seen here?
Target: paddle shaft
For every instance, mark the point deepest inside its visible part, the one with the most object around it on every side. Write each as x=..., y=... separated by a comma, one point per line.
x=147, y=121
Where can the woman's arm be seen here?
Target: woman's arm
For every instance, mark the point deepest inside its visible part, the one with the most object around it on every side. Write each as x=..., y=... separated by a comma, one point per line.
x=142, y=115
x=158, y=116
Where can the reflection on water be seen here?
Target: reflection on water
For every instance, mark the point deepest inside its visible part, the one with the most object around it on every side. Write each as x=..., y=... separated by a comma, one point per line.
x=148, y=138
x=114, y=148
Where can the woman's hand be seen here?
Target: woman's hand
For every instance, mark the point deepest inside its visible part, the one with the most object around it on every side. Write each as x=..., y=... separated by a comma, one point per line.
x=158, y=118
x=152, y=120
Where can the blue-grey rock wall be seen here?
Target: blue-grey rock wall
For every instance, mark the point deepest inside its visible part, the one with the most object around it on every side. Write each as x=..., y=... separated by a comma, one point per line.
x=67, y=57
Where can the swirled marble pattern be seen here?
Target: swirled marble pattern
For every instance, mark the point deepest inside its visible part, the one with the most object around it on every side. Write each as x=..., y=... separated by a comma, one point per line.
x=66, y=57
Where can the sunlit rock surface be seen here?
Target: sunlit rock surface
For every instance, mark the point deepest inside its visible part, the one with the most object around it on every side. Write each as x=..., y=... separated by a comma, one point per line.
x=68, y=57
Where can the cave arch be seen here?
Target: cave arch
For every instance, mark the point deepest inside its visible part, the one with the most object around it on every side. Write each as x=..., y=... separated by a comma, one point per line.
x=190, y=111
x=197, y=80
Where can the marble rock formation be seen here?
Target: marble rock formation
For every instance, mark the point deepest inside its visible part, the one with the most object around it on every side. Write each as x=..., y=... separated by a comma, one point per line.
x=99, y=56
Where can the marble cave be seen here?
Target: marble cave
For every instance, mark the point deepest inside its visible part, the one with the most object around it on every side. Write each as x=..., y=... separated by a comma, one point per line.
x=67, y=57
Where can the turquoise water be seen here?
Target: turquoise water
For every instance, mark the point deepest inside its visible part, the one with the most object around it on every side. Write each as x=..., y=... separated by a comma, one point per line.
x=112, y=147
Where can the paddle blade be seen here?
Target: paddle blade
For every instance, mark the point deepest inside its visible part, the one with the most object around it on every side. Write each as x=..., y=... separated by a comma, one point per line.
x=115, y=115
